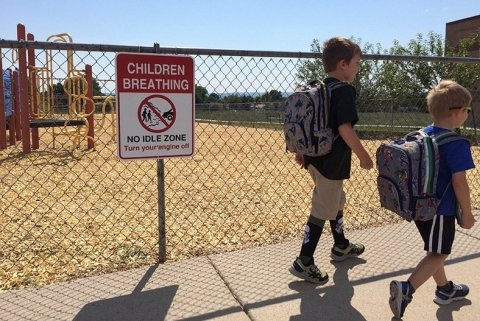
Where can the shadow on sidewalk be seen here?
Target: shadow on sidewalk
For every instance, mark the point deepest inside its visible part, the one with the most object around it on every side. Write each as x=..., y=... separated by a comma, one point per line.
x=335, y=303
x=445, y=312
x=145, y=306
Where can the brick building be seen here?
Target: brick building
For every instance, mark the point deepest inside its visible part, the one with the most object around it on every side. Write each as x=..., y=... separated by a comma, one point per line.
x=454, y=32
x=463, y=28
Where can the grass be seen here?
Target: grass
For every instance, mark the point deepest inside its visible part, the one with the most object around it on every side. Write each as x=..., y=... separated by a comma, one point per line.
x=371, y=125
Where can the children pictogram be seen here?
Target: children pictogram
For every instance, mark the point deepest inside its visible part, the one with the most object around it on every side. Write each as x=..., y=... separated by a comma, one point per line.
x=156, y=113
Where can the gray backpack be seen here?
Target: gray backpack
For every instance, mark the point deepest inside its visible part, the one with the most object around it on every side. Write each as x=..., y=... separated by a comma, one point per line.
x=407, y=174
x=306, y=127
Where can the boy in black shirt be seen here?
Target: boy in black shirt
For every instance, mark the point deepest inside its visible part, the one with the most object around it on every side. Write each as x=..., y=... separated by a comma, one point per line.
x=341, y=60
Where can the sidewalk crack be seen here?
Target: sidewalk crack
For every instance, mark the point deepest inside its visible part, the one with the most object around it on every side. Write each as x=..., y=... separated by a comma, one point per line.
x=234, y=294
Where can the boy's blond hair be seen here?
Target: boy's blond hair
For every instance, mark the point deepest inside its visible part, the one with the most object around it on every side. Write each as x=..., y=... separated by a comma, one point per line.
x=446, y=95
x=337, y=49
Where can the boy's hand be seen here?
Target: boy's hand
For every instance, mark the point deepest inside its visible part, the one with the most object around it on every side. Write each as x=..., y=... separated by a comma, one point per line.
x=366, y=162
x=299, y=159
x=462, y=193
x=468, y=221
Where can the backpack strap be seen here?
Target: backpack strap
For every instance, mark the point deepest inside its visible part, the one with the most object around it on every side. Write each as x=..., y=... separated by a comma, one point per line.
x=336, y=84
x=320, y=121
x=327, y=94
x=431, y=152
x=447, y=137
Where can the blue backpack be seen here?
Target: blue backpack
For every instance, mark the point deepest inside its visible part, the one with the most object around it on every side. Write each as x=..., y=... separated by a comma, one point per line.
x=407, y=174
x=306, y=126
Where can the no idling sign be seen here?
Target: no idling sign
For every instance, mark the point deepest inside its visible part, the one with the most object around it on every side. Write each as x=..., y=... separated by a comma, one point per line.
x=155, y=106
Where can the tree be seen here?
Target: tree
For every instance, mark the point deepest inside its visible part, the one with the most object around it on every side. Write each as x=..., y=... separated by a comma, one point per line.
x=59, y=89
x=310, y=70
x=271, y=96
x=365, y=82
x=213, y=98
x=201, y=94
x=411, y=78
x=402, y=80
x=97, y=90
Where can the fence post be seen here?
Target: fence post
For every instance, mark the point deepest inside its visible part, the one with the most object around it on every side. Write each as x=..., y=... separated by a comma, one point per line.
x=33, y=91
x=474, y=124
x=23, y=92
x=162, y=238
x=16, y=128
x=90, y=108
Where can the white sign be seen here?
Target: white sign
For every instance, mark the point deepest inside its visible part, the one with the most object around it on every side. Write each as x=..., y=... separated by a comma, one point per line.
x=155, y=106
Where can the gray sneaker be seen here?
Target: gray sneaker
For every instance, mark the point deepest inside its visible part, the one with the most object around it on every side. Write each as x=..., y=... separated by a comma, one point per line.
x=310, y=273
x=352, y=250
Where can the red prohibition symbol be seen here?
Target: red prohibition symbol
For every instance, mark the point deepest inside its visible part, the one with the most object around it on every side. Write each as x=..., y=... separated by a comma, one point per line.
x=156, y=113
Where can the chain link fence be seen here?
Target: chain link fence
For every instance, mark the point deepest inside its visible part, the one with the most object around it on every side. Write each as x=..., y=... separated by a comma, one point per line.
x=69, y=210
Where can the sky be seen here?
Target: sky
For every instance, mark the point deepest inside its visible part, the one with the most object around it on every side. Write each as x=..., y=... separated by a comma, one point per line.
x=226, y=24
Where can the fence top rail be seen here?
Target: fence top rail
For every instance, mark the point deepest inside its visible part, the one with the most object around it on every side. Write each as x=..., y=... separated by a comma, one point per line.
x=215, y=52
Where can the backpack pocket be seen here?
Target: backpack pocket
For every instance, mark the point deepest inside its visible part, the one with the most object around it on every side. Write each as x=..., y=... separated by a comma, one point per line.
x=324, y=141
x=295, y=138
x=426, y=207
x=391, y=197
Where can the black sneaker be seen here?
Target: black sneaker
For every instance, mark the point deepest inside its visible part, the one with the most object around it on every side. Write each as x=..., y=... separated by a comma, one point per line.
x=352, y=250
x=310, y=273
x=399, y=297
x=458, y=292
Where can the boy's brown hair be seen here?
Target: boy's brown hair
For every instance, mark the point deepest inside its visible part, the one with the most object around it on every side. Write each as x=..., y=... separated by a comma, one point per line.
x=446, y=95
x=337, y=49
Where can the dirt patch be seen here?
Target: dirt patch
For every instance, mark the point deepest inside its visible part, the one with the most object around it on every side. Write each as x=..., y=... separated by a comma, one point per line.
x=66, y=216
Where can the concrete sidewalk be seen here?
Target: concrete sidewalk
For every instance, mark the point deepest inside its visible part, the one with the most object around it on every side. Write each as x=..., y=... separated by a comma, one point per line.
x=255, y=284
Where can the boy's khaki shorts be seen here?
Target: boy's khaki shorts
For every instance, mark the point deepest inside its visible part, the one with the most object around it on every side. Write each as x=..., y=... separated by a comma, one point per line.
x=328, y=196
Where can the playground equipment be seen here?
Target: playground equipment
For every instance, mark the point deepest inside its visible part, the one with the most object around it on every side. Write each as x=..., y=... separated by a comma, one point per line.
x=33, y=103
x=107, y=102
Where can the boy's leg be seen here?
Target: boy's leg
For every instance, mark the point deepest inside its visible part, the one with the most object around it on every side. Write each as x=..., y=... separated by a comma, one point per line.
x=438, y=235
x=440, y=276
x=447, y=291
x=322, y=209
x=311, y=236
x=427, y=267
x=328, y=200
x=401, y=293
x=337, y=231
x=304, y=266
x=433, y=265
x=342, y=248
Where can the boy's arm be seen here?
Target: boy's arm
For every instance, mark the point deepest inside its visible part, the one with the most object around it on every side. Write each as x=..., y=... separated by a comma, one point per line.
x=462, y=193
x=350, y=137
